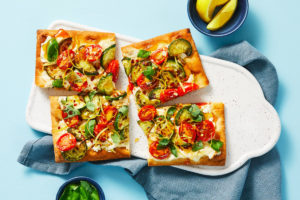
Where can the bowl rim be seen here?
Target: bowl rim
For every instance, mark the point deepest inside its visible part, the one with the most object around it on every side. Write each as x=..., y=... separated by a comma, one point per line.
x=219, y=34
x=77, y=179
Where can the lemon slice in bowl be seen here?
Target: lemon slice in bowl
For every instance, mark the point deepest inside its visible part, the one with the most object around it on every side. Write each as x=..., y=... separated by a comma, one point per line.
x=223, y=16
x=205, y=8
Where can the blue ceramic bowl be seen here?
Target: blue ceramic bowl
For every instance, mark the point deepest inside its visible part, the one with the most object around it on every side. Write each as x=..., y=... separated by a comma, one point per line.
x=234, y=23
x=77, y=179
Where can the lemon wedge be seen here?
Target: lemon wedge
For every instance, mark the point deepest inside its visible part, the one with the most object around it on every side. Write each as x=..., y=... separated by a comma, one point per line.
x=223, y=16
x=205, y=8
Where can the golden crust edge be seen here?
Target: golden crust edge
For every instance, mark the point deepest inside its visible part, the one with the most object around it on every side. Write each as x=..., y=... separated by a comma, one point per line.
x=91, y=155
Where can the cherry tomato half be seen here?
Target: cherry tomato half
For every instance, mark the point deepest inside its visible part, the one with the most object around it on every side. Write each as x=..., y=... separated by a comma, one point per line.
x=110, y=113
x=159, y=56
x=201, y=104
x=145, y=84
x=102, y=123
x=72, y=121
x=93, y=52
x=66, y=142
x=62, y=33
x=205, y=130
x=186, y=88
x=147, y=113
x=113, y=67
x=187, y=132
x=65, y=59
x=168, y=94
x=159, y=153
x=79, y=85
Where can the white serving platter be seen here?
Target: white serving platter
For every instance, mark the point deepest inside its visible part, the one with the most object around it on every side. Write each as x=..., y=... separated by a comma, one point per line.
x=252, y=124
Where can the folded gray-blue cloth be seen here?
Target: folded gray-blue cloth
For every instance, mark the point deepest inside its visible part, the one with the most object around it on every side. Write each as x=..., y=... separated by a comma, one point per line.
x=259, y=178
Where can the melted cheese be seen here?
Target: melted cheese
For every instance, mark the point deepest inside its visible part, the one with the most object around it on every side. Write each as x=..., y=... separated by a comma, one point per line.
x=106, y=43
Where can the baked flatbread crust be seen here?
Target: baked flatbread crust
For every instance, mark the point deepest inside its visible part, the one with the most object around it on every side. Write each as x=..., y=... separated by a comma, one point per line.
x=91, y=155
x=88, y=37
x=217, y=160
x=193, y=62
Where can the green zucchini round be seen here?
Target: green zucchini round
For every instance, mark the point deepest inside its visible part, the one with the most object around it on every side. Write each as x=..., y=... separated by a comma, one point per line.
x=108, y=56
x=127, y=65
x=75, y=154
x=180, y=46
x=53, y=71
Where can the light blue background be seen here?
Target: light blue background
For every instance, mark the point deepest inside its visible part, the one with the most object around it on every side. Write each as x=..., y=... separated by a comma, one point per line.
x=271, y=26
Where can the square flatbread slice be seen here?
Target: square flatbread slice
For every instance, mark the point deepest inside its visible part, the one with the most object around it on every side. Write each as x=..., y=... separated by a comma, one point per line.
x=73, y=60
x=163, y=68
x=185, y=134
x=98, y=127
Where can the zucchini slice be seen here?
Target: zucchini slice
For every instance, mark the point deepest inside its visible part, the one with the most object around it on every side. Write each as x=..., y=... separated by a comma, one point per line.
x=118, y=97
x=108, y=56
x=146, y=126
x=121, y=121
x=142, y=99
x=180, y=46
x=64, y=44
x=106, y=85
x=54, y=71
x=127, y=65
x=175, y=68
x=183, y=115
x=86, y=68
x=75, y=154
x=76, y=101
x=87, y=114
x=155, y=93
x=136, y=71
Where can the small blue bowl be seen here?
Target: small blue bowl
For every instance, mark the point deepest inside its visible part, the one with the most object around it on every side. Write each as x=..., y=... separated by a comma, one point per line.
x=77, y=179
x=234, y=23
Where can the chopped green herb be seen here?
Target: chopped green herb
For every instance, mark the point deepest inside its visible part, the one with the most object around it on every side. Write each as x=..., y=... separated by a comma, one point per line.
x=80, y=190
x=143, y=54
x=194, y=110
x=163, y=143
x=89, y=128
x=216, y=144
x=149, y=72
x=52, y=50
x=173, y=150
x=171, y=112
x=116, y=138
x=197, y=146
x=57, y=83
x=71, y=111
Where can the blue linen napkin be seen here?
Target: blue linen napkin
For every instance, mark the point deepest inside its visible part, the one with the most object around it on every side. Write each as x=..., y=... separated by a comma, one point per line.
x=259, y=178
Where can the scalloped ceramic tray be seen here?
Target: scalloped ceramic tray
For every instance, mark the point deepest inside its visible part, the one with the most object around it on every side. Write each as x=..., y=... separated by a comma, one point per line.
x=252, y=124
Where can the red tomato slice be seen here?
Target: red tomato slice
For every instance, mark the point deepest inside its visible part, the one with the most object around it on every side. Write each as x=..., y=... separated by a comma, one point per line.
x=66, y=142
x=113, y=67
x=79, y=86
x=110, y=113
x=159, y=153
x=62, y=33
x=205, y=130
x=65, y=59
x=186, y=88
x=102, y=123
x=187, y=132
x=201, y=104
x=72, y=121
x=144, y=83
x=93, y=52
x=130, y=86
x=168, y=94
x=147, y=113
x=159, y=56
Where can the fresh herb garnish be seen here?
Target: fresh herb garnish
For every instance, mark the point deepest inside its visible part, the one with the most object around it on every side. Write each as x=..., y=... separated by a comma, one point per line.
x=71, y=111
x=89, y=128
x=170, y=112
x=197, y=146
x=173, y=150
x=80, y=190
x=163, y=143
x=57, y=83
x=216, y=144
x=143, y=54
x=52, y=50
x=90, y=106
x=116, y=138
x=196, y=113
x=149, y=72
